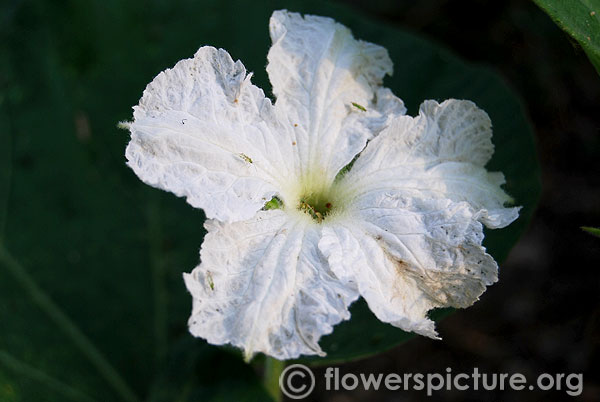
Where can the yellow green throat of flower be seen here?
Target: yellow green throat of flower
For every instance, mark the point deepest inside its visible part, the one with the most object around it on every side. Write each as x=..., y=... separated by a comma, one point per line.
x=314, y=197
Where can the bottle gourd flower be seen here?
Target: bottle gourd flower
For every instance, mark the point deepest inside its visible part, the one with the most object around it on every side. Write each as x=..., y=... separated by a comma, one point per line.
x=327, y=194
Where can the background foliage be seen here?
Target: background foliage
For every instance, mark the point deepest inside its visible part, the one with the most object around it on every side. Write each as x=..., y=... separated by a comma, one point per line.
x=81, y=230
x=581, y=20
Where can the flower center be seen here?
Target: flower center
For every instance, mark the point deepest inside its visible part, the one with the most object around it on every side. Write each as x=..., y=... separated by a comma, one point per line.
x=317, y=206
x=317, y=197
x=314, y=198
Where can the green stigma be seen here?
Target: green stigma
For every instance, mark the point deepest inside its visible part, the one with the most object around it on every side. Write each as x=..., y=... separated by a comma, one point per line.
x=315, y=206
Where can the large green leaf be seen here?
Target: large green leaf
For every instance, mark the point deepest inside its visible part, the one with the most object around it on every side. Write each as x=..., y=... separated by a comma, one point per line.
x=581, y=20
x=92, y=305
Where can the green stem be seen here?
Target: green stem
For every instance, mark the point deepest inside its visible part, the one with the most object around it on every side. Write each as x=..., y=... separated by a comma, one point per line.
x=82, y=342
x=273, y=369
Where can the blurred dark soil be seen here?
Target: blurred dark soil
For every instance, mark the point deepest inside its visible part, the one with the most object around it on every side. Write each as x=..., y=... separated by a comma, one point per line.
x=543, y=316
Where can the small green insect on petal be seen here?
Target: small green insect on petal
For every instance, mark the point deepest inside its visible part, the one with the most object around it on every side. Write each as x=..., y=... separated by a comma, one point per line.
x=356, y=105
x=245, y=157
x=274, y=203
x=209, y=278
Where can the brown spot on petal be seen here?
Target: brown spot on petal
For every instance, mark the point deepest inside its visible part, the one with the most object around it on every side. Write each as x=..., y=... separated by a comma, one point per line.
x=402, y=265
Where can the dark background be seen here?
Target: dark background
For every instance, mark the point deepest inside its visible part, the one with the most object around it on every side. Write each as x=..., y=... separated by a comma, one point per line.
x=544, y=313
x=66, y=78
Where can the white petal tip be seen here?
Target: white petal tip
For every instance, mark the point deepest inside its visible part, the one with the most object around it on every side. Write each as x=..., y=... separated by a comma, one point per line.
x=124, y=125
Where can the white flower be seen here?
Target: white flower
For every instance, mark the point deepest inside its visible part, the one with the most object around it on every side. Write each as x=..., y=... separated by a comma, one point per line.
x=402, y=228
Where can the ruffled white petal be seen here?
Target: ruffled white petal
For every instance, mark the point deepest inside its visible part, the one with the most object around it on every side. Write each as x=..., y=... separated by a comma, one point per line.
x=328, y=87
x=409, y=256
x=264, y=286
x=203, y=131
x=440, y=154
